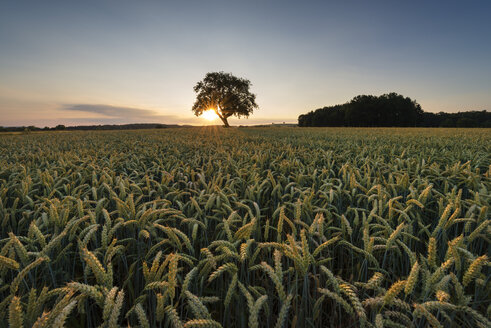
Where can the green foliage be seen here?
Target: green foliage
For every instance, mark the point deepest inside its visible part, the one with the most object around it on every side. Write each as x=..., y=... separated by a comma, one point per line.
x=252, y=227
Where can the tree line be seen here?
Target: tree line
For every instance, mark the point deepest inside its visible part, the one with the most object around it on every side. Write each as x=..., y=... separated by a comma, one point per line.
x=60, y=127
x=390, y=109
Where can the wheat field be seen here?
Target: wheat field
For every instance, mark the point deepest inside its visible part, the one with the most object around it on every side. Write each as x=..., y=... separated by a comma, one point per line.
x=246, y=227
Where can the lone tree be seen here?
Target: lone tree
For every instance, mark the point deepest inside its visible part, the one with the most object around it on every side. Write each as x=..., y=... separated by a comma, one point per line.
x=226, y=94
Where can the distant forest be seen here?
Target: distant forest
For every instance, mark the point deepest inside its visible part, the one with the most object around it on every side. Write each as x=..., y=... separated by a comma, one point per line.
x=387, y=110
x=135, y=126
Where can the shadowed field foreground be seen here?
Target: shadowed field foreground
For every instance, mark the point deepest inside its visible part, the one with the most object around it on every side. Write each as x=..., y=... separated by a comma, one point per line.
x=249, y=227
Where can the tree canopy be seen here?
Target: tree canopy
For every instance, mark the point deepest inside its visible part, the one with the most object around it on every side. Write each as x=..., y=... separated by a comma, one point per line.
x=226, y=94
x=389, y=109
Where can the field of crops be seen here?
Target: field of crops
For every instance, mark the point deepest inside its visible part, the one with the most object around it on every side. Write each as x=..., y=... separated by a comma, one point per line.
x=246, y=227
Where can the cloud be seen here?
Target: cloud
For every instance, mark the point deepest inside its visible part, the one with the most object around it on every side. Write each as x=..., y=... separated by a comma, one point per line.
x=115, y=111
x=108, y=114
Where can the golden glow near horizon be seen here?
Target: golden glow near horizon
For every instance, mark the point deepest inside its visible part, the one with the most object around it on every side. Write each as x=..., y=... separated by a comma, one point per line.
x=209, y=115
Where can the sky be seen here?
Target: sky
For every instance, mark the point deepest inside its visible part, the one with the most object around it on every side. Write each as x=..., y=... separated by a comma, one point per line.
x=113, y=62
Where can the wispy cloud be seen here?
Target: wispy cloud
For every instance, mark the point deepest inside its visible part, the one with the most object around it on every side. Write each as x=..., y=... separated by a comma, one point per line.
x=120, y=115
x=116, y=111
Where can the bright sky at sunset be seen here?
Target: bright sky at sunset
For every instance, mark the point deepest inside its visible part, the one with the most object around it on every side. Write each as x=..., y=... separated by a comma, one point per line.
x=105, y=62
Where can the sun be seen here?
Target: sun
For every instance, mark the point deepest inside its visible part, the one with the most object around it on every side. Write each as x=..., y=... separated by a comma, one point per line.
x=209, y=115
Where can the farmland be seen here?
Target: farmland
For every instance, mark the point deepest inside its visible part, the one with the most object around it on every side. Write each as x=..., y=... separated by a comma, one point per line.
x=246, y=227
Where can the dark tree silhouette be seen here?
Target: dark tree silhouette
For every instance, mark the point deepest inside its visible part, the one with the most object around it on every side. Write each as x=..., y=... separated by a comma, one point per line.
x=226, y=94
x=389, y=109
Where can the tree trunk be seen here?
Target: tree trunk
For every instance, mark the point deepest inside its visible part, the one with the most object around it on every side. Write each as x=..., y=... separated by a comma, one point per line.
x=222, y=117
x=225, y=122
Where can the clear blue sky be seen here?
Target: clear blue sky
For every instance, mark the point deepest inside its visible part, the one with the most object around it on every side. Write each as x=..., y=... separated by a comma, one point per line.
x=86, y=62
